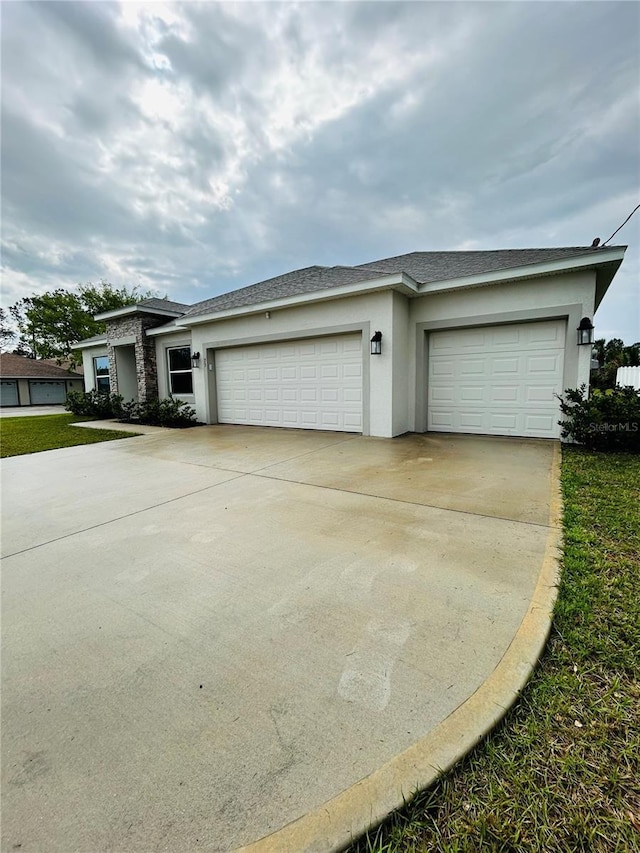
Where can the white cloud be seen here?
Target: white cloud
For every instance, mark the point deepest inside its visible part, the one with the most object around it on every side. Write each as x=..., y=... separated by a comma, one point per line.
x=193, y=148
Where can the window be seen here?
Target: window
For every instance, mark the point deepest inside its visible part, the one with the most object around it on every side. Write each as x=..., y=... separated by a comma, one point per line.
x=101, y=372
x=180, y=376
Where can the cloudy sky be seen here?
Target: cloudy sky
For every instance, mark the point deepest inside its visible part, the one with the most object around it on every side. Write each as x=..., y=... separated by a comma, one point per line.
x=195, y=148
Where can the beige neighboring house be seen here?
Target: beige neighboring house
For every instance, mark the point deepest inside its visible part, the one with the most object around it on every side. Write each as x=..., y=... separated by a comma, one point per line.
x=35, y=382
x=467, y=342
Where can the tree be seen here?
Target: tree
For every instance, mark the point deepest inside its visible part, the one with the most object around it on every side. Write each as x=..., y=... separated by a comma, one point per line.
x=49, y=323
x=611, y=355
x=6, y=332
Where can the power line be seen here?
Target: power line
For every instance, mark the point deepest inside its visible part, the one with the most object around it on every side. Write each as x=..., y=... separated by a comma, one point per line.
x=637, y=207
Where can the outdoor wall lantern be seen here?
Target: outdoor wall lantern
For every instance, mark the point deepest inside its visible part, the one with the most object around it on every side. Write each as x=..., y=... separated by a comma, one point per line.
x=195, y=359
x=376, y=343
x=585, y=331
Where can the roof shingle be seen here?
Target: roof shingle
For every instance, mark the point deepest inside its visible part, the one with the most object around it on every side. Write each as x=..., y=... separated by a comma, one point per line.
x=14, y=366
x=424, y=267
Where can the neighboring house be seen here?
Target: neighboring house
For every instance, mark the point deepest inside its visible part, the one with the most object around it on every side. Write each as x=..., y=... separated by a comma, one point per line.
x=32, y=382
x=470, y=342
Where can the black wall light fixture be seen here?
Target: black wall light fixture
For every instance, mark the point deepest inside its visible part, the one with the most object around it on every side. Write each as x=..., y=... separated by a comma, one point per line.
x=195, y=359
x=376, y=343
x=585, y=332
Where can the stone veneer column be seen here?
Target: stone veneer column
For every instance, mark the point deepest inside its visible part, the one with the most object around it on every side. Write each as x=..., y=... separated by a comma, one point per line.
x=146, y=365
x=113, y=374
x=145, y=352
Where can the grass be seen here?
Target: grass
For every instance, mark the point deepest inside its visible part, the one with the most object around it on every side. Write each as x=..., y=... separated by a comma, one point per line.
x=561, y=772
x=47, y=432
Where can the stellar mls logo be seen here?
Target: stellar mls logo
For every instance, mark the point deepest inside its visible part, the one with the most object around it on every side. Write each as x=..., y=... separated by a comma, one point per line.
x=622, y=426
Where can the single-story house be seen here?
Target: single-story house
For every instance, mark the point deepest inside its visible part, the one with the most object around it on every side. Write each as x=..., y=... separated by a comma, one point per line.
x=33, y=382
x=470, y=342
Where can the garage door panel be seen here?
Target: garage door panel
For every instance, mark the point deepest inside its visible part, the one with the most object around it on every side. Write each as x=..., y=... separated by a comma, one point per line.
x=505, y=394
x=47, y=392
x=545, y=363
x=9, y=393
x=314, y=384
x=507, y=387
x=539, y=423
x=540, y=394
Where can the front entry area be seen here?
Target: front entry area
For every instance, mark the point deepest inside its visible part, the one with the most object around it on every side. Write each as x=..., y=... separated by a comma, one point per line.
x=497, y=380
x=312, y=383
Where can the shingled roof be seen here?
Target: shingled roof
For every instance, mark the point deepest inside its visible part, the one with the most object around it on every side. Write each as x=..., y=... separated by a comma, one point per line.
x=441, y=266
x=14, y=366
x=423, y=267
x=164, y=305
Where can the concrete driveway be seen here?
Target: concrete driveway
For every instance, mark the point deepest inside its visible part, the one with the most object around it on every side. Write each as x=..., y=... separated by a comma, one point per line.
x=30, y=411
x=213, y=633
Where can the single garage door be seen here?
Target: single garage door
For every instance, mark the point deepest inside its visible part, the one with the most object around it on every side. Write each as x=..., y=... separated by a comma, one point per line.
x=8, y=392
x=307, y=384
x=47, y=392
x=497, y=380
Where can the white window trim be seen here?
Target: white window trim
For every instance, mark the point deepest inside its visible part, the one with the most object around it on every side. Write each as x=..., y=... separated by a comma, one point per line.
x=171, y=373
x=106, y=375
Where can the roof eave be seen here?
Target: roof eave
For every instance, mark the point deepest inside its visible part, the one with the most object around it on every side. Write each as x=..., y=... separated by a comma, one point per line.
x=87, y=344
x=128, y=310
x=400, y=282
x=165, y=330
x=604, y=259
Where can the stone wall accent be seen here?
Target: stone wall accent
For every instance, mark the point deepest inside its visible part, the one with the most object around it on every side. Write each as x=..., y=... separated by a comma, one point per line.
x=136, y=325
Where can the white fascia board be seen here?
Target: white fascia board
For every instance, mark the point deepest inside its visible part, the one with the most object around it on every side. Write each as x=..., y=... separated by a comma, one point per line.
x=599, y=256
x=136, y=309
x=83, y=345
x=165, y=330
x=397, y=281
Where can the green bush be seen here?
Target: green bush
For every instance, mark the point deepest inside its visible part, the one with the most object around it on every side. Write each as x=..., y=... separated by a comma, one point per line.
x=605, y=420
x=93, y=404
x=167, y=413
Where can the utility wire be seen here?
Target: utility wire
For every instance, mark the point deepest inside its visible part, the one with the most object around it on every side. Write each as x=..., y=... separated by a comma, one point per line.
x=637, y=207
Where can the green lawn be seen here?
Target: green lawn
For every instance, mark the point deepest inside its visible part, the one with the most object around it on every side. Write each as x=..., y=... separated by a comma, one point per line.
x=561, y=773
x=47, y=432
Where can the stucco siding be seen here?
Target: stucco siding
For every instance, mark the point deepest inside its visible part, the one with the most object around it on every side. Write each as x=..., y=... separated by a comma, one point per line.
x=570, y=296
x=24, y=398
x=402, y=349
x=365, y=313
x=87, y=365
x=163, y=343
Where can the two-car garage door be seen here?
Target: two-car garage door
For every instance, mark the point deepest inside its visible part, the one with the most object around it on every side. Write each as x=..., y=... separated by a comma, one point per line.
x=497, y=380
x=314, y=383
x=47, y=392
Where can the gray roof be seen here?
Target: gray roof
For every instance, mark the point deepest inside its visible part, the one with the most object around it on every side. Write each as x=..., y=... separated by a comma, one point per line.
x=292, y=283
x=422, y=266
x=164, y=305
x=440, y=266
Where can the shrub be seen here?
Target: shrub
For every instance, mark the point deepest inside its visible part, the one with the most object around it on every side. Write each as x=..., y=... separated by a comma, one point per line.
x=167, y=413
x=93, y=404
x=605, y=420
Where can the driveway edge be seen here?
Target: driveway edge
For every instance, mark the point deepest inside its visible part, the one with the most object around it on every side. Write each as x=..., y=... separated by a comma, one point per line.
x=338, y=822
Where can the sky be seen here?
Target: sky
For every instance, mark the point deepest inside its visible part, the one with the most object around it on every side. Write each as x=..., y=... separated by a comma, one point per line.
x=192, y=149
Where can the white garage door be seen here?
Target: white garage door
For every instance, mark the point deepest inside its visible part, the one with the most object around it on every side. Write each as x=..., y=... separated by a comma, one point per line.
x=307, y=384
x=47, y=392
x=497, y=380
x=8, y=393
